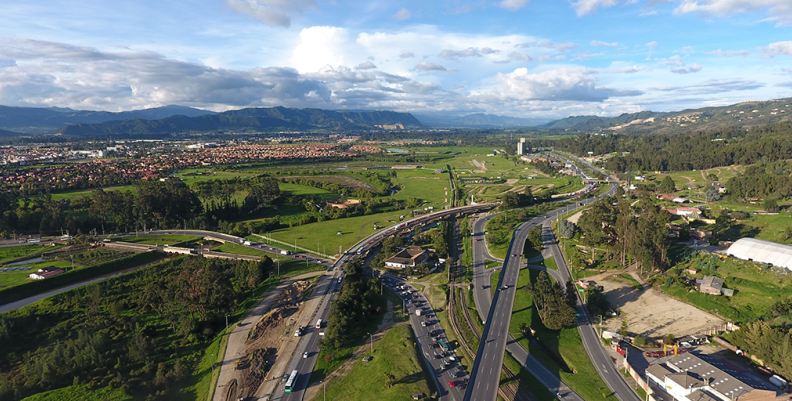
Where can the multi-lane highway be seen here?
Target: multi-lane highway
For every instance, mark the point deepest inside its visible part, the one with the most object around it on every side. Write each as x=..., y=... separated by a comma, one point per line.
x=496, y=329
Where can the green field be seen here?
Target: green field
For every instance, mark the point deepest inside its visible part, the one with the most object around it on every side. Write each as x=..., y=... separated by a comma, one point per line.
x=756, y=287
x=13, y=253
x=394, y=354
x=190, y=176
x=164, y=239
x=71, y=195
x=300, y=190
x=288, y=266
x=424, y=185
x=324, y=233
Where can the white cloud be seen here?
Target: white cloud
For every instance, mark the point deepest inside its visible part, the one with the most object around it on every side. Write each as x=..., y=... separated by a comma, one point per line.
x=513, y=5
x=320, y=46
x=713, y=86
x=630, y=69
x=779, y=49
x=276, y=13
x=403, y=14
x=687, y=50
x=552, y=85
x=560, y=57
x=404, y=55
x=690, y=69
x=678, y=66
x=368, y=65
x=586, y=56
x=455, y=55
x=600, y=43
x=729, y=53
x=425, y=66
x=585, y=7
x=777, y=10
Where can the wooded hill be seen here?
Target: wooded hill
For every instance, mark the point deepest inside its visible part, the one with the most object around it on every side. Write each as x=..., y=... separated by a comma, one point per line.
x=251, y=120
x=743, y=115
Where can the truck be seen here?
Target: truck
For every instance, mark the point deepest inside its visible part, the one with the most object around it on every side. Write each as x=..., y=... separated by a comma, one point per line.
x=417, y=312
x=285, y=252
x=779, y=382
x=248, y=243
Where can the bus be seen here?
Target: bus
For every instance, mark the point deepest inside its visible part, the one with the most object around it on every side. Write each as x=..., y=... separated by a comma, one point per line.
x=291, y=382
x=443, y=345
x=319, y=324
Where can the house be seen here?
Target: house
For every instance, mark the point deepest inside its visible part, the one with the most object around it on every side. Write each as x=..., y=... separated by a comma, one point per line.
x=720, y=187
x=700, y=234
x=586, y=283
x=680, y=200
x=45, y=272
x=410, y=256
x=668, y=197
x=689, y=212
x=532, y=158
x=688, y=377
x=711, y=285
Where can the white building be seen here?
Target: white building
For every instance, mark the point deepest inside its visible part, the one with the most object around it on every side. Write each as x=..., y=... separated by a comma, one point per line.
x=762, y=251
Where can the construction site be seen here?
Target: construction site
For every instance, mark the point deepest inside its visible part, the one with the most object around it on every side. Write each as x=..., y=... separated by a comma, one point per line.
x=269, y=338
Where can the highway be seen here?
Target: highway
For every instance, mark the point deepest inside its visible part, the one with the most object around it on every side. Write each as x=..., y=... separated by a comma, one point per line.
x=485, y=374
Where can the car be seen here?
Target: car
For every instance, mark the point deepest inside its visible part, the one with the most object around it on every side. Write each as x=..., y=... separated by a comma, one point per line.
x=451, y=384
x=457, y=374
x=505, y=287
x=478, y=239
x=305, y=355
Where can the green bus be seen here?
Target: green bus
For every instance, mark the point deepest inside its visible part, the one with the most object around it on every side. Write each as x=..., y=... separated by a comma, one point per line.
x=291, y=382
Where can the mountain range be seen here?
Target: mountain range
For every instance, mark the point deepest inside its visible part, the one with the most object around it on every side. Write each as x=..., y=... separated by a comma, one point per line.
x=252, y=119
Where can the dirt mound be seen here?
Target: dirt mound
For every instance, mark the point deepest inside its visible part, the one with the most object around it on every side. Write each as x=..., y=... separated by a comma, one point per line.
x=253, y=369
x=292, y=295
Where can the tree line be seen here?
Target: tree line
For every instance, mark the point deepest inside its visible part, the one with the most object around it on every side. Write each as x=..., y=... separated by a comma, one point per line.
x=357, y=303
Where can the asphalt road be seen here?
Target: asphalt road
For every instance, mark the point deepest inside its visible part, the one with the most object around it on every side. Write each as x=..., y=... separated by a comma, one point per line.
x=486, y=372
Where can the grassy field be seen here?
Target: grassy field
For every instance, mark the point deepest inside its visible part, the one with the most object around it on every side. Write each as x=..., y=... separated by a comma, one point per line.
x=158, y=239
x=11, y=279
x=324, y=233
x=288, y=266
x=301, y=190
x=190, y=176
x=12, y=253
x=71, y=195
x=394, y=355
x=756, y=287
x=422, y=184
x=562, y=352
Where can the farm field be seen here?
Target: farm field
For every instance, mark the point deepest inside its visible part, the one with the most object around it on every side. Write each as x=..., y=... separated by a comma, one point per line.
x=12, y=253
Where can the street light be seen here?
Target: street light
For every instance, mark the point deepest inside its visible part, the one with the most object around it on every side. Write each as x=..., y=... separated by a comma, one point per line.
x=372, y=343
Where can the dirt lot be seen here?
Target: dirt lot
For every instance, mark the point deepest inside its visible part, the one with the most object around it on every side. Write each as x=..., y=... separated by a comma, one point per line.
x=265, y=342
x=650, y=312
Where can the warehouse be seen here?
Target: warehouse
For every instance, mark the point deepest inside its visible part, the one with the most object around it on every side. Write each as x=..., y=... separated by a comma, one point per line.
x=762, y=251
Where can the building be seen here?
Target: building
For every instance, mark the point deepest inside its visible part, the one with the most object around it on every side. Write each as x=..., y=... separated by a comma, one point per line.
x=688, y=377
x=532, y=158
x=45, y=272
x=711, y=285
x=521, y=147
x=410, y=256
x=762, y=251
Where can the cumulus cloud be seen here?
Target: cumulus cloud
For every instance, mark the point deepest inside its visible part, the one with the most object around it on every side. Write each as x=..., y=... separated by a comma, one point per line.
x=426, y=66
x=517, y=56
x=630, y=69
x=368, y=65
x=600, y=43
x=777, y=10
x=513, y=5
x=403, y=14
x=778, y=49
x=455, y=55
x=729, y=53
x=276, y=13
x=320, y=46
x=563, y=84
x=404, y=55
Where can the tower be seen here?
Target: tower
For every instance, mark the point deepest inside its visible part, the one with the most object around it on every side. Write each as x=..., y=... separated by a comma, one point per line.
x=521, y=147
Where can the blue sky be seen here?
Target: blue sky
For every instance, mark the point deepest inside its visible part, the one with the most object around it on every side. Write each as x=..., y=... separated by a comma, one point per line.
x=524, y=58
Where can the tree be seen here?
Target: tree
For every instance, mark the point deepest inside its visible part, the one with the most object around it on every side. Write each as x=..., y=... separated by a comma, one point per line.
x=640, y=341
x=770, y=205
x=712, y=194
x=669, y=339
x=623, y=330
x=570, y=293
x=550, y=303
x=566, y=228
x=667, y=185
x=535, y=238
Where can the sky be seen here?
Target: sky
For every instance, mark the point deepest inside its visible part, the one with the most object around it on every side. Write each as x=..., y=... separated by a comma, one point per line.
x=521, y=58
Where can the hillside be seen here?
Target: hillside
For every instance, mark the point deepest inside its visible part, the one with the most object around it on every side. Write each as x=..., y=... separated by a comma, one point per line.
x=478, y=120
x=37, y=120
x=745, y=114
x=253, y=119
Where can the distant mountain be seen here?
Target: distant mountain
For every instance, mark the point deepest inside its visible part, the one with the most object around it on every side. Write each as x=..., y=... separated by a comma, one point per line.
x=253, y=119
x=479, y=120
x=4, y=133
x=37, y=120
x=742, y=115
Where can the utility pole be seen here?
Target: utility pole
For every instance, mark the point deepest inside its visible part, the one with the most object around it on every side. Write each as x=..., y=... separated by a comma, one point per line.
x=372, y=343
x=226, y=324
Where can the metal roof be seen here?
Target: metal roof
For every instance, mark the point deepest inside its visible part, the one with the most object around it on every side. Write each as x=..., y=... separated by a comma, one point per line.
x=762, y=251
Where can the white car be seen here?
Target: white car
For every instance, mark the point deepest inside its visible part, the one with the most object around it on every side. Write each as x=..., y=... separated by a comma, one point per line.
x=305, y=355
